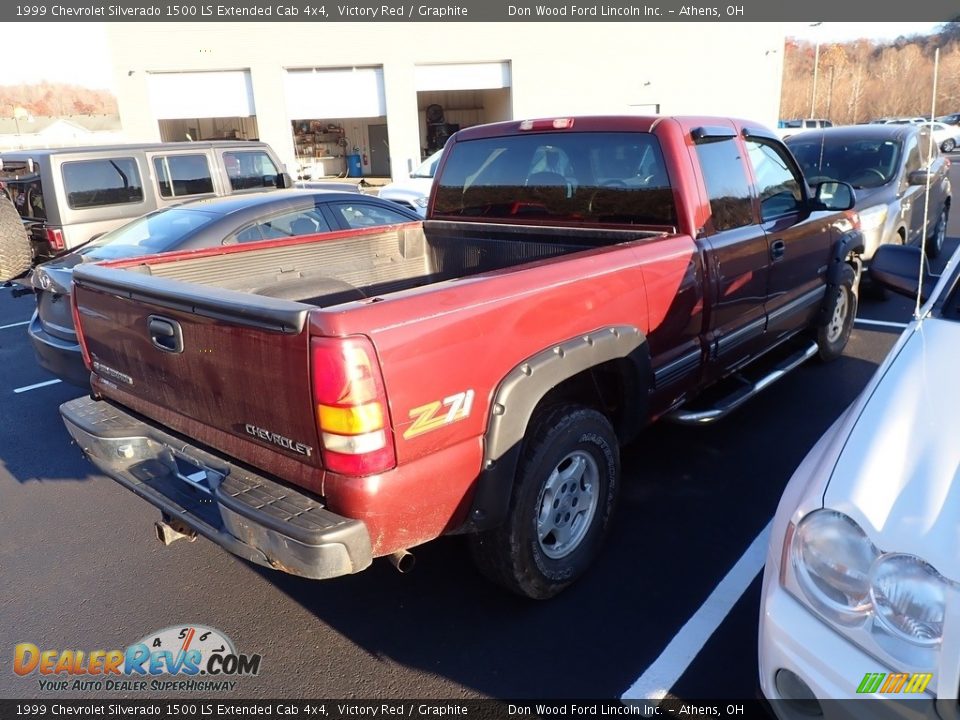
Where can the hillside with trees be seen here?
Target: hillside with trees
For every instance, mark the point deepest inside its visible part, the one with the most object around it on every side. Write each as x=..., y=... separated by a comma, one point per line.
x=55, y=99
x=861, y=80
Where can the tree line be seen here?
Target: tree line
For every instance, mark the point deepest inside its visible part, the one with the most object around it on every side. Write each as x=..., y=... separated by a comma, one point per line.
x=862, y=80
x=54, y=99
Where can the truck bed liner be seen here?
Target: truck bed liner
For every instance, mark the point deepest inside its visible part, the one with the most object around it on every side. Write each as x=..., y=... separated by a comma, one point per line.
x=399, y=258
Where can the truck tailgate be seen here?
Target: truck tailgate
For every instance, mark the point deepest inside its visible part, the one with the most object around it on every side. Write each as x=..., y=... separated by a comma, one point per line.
x=207, y=363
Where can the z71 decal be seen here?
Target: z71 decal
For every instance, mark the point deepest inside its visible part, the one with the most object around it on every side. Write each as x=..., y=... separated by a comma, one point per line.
x=439, y=413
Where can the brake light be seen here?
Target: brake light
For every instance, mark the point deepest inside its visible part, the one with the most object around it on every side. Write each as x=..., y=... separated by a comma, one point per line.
x=555, y=124
x=351, y=406
x=55, y=238
x=76, y=324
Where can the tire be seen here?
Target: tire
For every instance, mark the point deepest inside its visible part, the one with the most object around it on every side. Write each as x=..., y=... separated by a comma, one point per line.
x=935, y=241
x=948, y=145
x=16, y=255
x=555, y=527
x=840, y=309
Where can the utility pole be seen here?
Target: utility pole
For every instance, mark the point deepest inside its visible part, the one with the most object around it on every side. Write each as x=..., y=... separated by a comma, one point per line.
x=816, y=64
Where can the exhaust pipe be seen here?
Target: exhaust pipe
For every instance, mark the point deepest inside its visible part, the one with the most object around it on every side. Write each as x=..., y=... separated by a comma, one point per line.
x=403, y=561
x=169, y=531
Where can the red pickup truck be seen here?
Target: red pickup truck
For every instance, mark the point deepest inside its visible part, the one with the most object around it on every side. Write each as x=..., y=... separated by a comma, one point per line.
x=314, y=403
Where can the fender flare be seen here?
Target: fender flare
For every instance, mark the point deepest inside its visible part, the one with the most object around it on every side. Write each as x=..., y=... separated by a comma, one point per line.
x=851, y=242
x=520, y=392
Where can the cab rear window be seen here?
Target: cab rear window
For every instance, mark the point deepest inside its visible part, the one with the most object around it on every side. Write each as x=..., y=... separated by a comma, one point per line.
x=95, y=183
x=596, y=177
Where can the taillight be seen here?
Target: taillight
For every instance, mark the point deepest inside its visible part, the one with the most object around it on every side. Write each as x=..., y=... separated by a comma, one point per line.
x=76, y=325
x=351, y=406
x=55, y=238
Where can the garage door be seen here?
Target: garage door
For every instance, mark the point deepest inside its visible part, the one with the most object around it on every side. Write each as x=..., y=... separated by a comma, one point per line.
x=463, y=76
x=332, y=93
x=201, y=95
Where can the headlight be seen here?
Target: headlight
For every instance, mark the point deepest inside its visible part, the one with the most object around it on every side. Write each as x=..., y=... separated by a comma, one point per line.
x=872, y=217
x=832, y=557
x=420, y=202
x=909, y=598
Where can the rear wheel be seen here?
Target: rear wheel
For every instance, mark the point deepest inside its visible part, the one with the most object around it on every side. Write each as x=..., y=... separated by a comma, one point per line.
x=948, y=145
x=16, y=255
x=840, y=309
x=563, y=499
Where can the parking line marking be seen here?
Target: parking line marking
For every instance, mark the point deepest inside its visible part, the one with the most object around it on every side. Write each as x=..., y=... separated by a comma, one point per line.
x=37, y=385
x=881, y=323
x=663, y=674
x=4, y=327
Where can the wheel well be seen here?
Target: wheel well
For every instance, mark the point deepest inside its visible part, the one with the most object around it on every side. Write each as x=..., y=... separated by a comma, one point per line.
x=612, y=388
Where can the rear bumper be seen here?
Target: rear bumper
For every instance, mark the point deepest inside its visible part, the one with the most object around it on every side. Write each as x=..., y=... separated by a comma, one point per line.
x=61, y=357
x=245, y=513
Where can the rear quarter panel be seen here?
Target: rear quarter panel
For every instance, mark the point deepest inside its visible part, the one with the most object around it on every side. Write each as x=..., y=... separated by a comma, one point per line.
x=465, y=336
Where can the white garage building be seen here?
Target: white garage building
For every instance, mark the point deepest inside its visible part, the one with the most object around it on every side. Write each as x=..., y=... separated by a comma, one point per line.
x=374, y=98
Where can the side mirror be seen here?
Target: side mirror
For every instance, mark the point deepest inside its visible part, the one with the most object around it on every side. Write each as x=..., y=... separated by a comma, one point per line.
x=897, y=268
x=834, y=195
x=284, y=181
x=919, y=177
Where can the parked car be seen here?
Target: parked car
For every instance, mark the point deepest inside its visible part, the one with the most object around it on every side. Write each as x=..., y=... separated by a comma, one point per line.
x=914, y=120
x=862, y=575
x=951, y=119
x=415, y=190
x=946, y=136
x=888, y=167
x=191, y=226
x=786, y=128
x=67, y=196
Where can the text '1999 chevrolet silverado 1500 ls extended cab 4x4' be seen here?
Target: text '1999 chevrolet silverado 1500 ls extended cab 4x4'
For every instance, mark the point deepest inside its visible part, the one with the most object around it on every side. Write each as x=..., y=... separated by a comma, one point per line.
x=311, y=404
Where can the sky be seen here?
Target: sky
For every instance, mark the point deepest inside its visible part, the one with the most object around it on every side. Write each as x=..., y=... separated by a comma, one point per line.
x=842, y=31
x=91, y=67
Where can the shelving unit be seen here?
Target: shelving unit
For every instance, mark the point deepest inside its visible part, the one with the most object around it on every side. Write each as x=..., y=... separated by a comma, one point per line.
x=320, y=148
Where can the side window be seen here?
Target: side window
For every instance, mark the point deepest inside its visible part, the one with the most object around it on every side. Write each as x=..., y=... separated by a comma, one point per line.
x=358, y=215
x=288, y=224
x=777, y=184
x=181, y=175
x=928, y=148
x=731, y=203
x=94, y=183
x=913, y=155
x=249, y=169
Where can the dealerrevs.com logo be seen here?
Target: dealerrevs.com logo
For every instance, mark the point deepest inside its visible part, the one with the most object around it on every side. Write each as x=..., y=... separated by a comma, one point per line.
x=177, y=658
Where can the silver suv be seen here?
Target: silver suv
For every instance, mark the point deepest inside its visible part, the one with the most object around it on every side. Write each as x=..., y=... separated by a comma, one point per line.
x=68, y=196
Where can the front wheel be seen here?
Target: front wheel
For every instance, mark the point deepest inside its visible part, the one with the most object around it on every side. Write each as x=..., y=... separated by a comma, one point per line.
x=935, y=241
x=563, y=498
x=840, y=309
x=948, y=145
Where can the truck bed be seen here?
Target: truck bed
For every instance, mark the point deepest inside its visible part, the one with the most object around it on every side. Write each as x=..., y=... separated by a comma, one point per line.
x=398, y=258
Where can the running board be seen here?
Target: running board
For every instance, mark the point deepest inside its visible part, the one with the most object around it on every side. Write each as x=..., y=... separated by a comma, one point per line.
x=731, y=402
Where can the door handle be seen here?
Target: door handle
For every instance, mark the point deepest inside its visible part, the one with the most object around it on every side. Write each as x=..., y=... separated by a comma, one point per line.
x=777, y=249
x=165, y=334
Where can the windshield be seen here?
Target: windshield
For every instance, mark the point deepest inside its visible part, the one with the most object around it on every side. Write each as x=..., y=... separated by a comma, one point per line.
x=582, y=177
x=862, y=163
x=428, y=168
x=157, y=232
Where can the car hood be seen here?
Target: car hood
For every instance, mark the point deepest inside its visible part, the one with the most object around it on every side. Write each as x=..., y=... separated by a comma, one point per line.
x=408, y=189
x=873, y=196
x=898, y=474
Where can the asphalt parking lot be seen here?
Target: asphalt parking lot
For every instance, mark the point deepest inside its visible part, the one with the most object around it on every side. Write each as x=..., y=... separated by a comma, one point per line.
x=81, y=567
